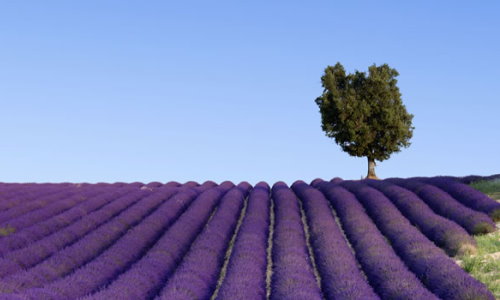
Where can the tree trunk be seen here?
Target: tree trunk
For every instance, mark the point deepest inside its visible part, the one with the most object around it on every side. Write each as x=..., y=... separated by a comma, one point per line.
x=371, y=169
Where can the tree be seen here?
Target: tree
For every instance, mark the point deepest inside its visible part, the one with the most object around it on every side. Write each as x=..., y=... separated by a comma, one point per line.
x=364, y=113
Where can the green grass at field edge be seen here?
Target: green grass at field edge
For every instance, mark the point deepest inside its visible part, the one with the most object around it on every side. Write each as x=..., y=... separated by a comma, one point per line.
x=485, y=264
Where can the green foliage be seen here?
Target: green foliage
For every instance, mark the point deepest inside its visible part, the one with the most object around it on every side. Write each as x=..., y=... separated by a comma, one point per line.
x=364, y=113
x=491, y=187
x=487, y=244
x=485, y=269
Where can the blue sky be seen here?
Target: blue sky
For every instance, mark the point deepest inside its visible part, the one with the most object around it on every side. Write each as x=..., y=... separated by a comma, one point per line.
x=222, y=90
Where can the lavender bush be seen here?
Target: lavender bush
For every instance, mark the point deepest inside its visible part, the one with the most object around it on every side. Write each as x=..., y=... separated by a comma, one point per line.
x=34, y=253
x=468, y=196
x=37, y=231
x=443, y=232
x=121, y=254
x=441, y=202
x=328, y=240
x=202, y=263
x=432, y=266
x=153, y=269
x=341, y=278
x=37, y=203
x=16, y=194
x=386, y=272
x=85, y=249
x=246, y=271
x=293, y=276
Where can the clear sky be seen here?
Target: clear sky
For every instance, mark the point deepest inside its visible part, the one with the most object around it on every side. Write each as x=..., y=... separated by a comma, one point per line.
x=224, y=90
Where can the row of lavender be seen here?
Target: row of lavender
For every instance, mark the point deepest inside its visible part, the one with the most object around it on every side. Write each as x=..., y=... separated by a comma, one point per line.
x=53, y=257
x=170, y=242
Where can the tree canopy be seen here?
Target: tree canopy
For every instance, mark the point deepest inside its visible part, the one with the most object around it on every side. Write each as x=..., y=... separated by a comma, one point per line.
x=364, y=113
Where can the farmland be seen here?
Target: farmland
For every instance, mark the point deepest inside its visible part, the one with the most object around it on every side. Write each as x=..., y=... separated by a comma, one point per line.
x=337, y=239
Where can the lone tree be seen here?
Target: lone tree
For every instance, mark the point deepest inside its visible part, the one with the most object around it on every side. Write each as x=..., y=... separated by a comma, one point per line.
x=364, y=113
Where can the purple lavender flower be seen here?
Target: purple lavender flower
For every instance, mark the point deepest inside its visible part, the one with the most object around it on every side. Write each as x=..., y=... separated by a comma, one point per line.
x=474, y=222
x=157, y=265
x=443, y=232
x=468, y=196
x=386, y=272
x=34, y=231
x=293, y=276
x=34, y=253
x=341, y=278
x=122, y=253
x=85, y=249
x=197, y=275
x=246, y=272
x=429, y=263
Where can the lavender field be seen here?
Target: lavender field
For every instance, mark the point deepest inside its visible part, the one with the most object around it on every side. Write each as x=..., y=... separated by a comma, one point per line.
x=338, y=239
